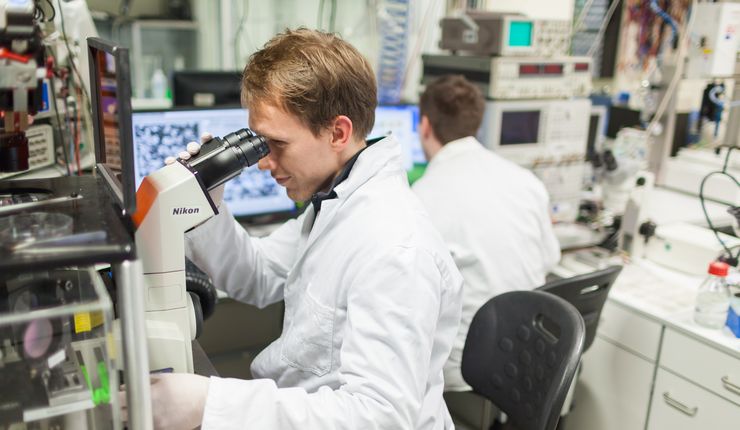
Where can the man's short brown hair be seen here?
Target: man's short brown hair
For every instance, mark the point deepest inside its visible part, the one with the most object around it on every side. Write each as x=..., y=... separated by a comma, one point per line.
x=314, y=75
x=454, y=107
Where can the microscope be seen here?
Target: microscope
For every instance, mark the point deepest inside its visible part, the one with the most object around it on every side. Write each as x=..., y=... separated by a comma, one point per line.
x=170, y=202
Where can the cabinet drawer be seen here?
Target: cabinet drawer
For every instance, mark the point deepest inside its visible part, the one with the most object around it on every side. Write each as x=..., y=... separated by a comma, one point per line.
x=680, y=405
x=631, y=330
x=702, y=364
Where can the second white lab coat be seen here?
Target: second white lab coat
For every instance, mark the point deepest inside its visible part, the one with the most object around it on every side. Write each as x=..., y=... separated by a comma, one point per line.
x=495, y=219
x=372, y=306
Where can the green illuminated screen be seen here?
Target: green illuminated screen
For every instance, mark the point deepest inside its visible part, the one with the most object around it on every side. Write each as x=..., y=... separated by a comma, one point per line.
x=520, y=33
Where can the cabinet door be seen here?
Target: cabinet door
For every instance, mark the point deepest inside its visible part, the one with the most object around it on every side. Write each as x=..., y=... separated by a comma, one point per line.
x=680, y=405
x=613, y=389
x=701, y=364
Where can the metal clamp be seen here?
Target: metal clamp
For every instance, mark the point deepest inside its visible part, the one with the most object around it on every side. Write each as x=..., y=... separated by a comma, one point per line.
x=680, y=406
x=733, y=388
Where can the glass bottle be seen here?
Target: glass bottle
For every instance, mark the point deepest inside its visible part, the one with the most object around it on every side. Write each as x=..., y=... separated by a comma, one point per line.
x=713, y=298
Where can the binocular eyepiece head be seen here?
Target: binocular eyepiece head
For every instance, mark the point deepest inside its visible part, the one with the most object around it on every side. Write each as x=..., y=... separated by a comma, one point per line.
x=221, y=159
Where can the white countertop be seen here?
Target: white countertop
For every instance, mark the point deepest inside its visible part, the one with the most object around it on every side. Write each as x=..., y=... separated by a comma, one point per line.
x=668, y=297
x=668, y=206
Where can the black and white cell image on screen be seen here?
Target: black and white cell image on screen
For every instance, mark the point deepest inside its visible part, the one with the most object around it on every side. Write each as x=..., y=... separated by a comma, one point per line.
x=251, y=184
x=155, y=142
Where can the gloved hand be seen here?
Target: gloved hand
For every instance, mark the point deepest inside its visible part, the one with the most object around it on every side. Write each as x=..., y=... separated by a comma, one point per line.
x=193, y=148
x=178, y=400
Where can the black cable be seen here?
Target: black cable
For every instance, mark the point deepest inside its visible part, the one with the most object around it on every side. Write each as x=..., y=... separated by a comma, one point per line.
x=59, y=122
x=703, y=204
x=38, y=14
x=53, y=10
x=76, y=137
x=242, y=23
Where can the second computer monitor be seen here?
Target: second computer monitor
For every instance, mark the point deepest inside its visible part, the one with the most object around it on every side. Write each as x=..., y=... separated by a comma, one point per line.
x=402, y=121
x=200, y=88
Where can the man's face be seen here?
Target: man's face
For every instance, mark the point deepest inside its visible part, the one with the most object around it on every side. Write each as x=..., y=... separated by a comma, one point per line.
x=298, y=160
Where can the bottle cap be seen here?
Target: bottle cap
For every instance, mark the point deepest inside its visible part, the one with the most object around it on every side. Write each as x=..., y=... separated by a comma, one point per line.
x=718, y=268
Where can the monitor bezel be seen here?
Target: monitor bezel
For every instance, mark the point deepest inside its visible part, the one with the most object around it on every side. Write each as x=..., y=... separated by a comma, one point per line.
x=124, y=191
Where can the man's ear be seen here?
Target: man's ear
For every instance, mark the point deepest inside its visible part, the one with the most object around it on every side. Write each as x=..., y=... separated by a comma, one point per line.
x=425, y=127
x=341, y=132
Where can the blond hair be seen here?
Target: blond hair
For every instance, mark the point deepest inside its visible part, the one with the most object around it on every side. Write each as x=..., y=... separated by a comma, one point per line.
x=314, y=75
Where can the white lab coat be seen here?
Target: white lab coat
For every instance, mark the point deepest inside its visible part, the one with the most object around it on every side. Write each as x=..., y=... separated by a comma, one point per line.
x=372, y=306
x=494, y=217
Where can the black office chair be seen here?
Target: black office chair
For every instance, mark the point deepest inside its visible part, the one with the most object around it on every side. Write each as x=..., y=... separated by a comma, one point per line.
x=587, y=293
x=521, y=353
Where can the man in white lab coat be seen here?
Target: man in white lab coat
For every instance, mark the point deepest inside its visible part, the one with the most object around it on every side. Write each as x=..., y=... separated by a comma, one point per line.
x=372, y=296
x=492, y=213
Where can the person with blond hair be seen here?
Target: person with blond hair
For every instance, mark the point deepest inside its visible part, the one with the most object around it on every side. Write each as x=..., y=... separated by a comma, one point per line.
x=372, y=296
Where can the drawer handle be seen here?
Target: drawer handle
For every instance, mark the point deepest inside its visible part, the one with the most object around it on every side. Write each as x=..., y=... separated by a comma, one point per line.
x=730, y=386
x=680, y=406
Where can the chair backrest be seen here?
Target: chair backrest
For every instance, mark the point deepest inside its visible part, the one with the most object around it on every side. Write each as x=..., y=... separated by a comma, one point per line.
x=587, y=293
x=522, y=367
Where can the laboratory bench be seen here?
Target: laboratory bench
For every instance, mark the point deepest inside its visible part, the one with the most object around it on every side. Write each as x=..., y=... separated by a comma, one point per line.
x=650, y=366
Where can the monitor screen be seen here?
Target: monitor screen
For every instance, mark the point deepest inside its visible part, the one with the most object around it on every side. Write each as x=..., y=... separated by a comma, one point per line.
x=403, y=122
x=520, y=127
x=160, y=134
x=520, y=34
x=110, y=85
x=206, y=88
x=596, y=131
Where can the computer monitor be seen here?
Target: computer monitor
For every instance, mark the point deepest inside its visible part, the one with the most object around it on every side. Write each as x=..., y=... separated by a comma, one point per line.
x=110, y=87
x=202, y=88
x=622, y=117
x=159, y=134
x=403, y=122
x=596, y=130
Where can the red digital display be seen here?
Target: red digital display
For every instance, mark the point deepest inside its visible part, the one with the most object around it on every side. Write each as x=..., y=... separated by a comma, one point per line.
x=552, y=69
x=529, y=69
x=581, y=67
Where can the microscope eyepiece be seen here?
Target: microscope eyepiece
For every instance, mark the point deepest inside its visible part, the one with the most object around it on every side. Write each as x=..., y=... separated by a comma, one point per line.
x=221, y=159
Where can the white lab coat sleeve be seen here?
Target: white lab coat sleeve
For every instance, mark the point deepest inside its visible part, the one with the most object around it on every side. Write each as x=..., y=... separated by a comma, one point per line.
x=392, y=315
x=249, y=270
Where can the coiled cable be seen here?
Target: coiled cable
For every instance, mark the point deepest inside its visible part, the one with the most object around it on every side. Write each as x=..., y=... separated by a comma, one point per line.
x=394, y=26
